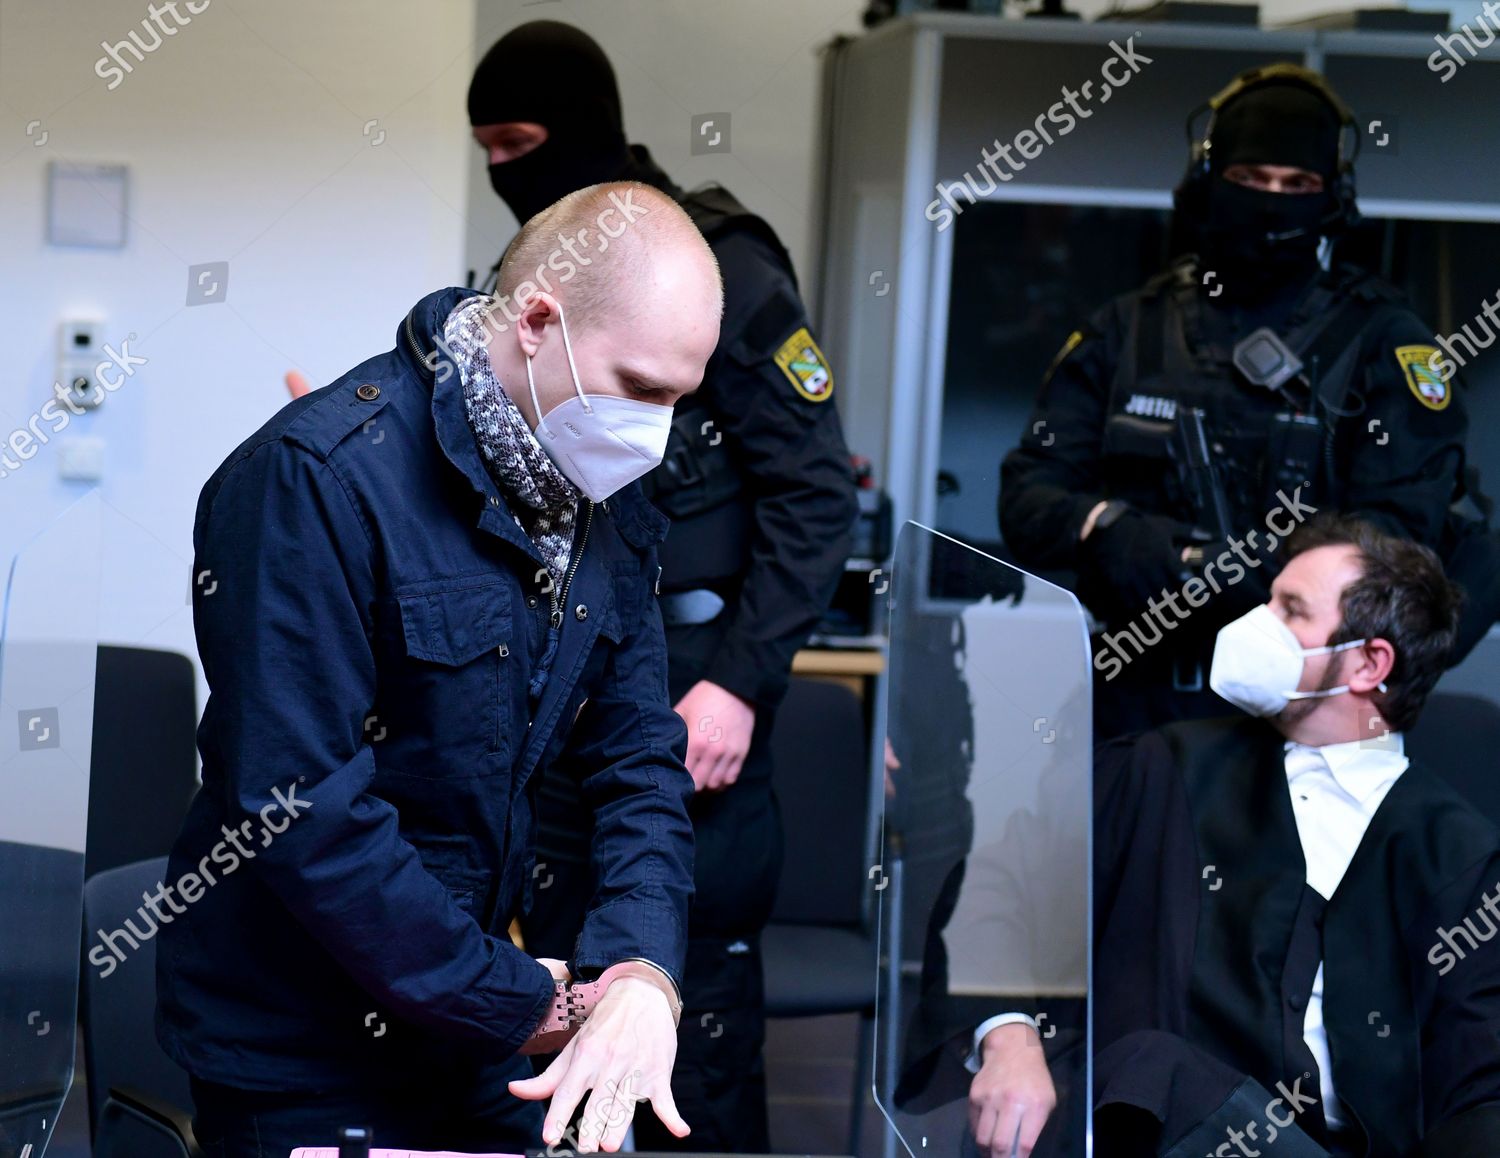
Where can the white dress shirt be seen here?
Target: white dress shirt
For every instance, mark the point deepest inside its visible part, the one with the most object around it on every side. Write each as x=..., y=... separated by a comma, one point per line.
x=1335, y=791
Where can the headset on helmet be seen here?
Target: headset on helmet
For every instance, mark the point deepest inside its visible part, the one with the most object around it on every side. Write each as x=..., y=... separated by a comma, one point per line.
x=1190, y=193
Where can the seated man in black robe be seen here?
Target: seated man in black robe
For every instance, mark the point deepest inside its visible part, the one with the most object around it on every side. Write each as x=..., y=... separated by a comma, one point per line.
x=1295, y=948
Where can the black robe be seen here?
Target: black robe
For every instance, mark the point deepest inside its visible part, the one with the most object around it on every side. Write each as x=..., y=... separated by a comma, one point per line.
x=1207, y=935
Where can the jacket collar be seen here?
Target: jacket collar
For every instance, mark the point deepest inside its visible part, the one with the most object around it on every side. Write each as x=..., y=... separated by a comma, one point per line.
x=420, y=346
x=419, y=343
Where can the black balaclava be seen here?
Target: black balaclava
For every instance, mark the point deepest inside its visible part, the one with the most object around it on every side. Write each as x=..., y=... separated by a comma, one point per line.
x=553, y=75
x=1256, y=241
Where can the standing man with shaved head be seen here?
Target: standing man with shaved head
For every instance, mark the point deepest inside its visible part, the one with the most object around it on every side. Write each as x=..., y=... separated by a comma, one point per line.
x=757, y=484
x=427, y=577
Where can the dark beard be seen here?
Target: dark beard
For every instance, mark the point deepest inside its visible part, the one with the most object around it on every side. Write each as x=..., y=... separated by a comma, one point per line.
x=1298, y=710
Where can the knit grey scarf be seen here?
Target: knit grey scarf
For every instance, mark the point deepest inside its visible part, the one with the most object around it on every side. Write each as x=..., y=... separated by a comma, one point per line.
x=547, y=505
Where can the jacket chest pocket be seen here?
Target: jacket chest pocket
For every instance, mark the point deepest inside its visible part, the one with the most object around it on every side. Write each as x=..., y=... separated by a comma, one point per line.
x=460, y=677
x=627, y=598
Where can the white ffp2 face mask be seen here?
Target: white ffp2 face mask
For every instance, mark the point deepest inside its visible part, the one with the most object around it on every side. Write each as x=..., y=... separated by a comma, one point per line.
x=1258, y=663
x=601, y=442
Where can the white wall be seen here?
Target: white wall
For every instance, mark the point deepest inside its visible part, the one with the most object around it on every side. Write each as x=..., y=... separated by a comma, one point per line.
x=245, y=137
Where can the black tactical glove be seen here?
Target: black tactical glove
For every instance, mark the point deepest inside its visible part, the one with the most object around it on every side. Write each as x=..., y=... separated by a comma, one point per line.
x=1128, y=561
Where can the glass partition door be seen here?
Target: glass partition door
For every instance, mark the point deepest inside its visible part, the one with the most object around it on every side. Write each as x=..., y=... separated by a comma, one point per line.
x=985, y=872
x=48, y=644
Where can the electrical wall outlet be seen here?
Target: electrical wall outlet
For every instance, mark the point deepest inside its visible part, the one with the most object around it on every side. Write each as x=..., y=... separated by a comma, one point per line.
x=80, y=350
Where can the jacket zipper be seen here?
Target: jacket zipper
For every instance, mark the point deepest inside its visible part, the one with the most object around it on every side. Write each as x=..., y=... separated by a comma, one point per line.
x=561, y=597
x=558, y=598
x=427, y=360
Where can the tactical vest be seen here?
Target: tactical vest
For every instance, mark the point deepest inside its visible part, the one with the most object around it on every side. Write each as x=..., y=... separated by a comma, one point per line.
x=1261, y=441
x=692, y=480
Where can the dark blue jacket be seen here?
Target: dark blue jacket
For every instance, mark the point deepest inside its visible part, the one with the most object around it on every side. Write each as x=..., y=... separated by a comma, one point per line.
x=375, y=630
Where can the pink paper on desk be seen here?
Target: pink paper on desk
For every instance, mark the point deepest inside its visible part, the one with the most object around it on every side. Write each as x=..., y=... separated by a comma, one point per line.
x=333, y=1152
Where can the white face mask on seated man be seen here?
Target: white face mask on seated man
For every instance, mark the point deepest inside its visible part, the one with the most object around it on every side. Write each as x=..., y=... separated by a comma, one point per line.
x=1258, y=663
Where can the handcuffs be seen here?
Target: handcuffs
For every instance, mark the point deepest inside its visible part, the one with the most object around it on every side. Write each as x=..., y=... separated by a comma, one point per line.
x=572, y=1002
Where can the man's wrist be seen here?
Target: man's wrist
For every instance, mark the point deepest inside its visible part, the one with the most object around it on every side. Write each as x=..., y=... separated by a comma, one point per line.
x=641, y=969
x=976, y=1052
x=1091, y=518
x=1101, y=515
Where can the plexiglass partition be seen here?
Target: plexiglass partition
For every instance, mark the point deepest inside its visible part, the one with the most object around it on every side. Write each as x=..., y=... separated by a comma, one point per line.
x=48, y=644
x=985, y=876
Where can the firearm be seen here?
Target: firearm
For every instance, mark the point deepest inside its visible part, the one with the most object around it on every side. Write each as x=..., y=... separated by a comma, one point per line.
x=1200, y=476
x=1184, y=443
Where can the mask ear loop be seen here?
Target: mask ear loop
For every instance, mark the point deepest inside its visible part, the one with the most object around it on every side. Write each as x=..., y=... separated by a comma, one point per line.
x=1331, y=649
x=572, y=366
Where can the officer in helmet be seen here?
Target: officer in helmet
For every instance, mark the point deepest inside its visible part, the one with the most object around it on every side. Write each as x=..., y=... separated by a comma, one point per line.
x=1189, y=426
x=758, y=487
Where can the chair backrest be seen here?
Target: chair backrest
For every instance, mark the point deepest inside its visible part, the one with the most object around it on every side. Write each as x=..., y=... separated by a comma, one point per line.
x=820, y=746
x=144, y=768
x=1456, y=736
x=118, y=1011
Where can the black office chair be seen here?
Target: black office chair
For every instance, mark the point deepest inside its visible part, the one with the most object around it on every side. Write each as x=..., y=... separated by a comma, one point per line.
x=144, y=768
x=138, y=1097
x=819, y=951
x=1456, y=736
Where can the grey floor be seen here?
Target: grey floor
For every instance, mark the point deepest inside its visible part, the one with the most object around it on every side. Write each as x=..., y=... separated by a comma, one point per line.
x=810, y=1067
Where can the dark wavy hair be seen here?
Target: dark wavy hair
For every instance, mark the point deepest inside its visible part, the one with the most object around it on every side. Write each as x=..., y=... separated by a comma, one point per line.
x=1401, y=596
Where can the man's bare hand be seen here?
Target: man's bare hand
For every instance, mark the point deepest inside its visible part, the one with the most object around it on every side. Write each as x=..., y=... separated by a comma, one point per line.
x=556, y=967
x=892, y=765
x=1012, y=1094
x=719, y=728
x=624, y=1053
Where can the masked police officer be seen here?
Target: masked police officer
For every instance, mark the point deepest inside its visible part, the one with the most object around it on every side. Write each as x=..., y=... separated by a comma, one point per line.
x=758, y=487
x=414, y=586
x=1189, y=426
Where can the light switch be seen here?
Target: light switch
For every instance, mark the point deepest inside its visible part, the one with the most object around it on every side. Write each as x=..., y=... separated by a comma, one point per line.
x=81, y=459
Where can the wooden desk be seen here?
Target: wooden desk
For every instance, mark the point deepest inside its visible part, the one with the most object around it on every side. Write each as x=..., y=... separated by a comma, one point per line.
x=853, y=667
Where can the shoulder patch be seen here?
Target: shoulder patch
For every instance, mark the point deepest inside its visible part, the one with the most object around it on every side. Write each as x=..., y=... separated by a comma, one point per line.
x=806, y=368
x=1425, y=382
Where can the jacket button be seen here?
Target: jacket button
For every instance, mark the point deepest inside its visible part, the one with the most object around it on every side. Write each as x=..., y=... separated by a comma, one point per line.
x=1296, y=1001
x=494, y=501
x=531, y=601
x=581, y=611
x=368, y=393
